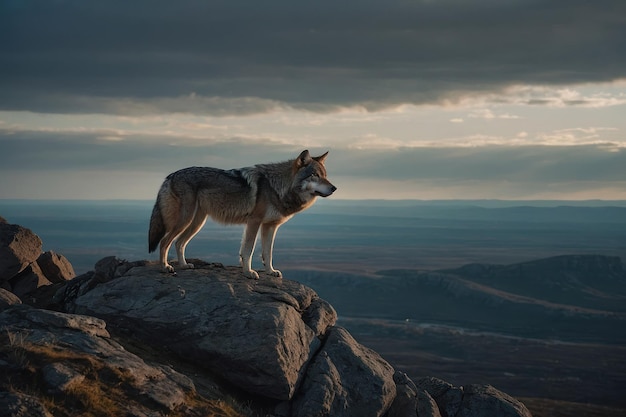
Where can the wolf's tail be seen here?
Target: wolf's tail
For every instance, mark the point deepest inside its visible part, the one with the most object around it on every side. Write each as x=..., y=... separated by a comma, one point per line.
x=157, y=227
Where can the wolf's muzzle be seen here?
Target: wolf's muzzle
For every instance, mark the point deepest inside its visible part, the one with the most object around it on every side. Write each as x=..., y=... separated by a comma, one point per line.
x=325, y=193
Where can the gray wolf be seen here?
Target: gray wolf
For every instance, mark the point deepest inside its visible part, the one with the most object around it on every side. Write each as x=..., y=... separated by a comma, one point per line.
x=262, y=197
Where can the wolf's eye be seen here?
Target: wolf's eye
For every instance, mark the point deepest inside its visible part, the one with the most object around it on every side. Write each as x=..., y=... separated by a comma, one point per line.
x=314, y=176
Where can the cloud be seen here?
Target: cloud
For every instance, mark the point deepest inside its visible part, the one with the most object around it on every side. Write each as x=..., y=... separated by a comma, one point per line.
x=219, y=57
x=131, y=161
x=537, y=164
x=488, y=114
x=374, y=157
x=113, y=150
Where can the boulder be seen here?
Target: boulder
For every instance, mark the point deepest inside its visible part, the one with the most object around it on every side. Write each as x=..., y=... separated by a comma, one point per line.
x=28, y=280
x=472, y=400
x=345, y=379
x=272, y=337
x=56, y=268
x=426, y=405
x=406, y=402
x=79, y=361
x=19, y=247
x=259, y=335
x=7, y=298
x=447, y=396
x=485, y=400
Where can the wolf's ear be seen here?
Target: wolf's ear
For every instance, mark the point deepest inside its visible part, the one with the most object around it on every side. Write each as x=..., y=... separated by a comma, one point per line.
x=321, y=158
x=303, y=159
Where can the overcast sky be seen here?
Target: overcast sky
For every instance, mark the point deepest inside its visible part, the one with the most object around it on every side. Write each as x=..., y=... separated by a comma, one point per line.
x=424, y=99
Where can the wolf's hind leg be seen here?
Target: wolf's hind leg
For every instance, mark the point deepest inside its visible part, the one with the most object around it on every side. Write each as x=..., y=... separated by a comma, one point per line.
x=177, y=217
x=186, y=236
x=165, y=244
x=268, y=233
x=248, y=242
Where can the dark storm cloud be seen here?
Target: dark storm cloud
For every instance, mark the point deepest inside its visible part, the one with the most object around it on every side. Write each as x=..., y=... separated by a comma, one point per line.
x=316, y=55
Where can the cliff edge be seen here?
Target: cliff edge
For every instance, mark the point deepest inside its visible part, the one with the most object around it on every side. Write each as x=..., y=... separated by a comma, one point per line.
x=128, y=339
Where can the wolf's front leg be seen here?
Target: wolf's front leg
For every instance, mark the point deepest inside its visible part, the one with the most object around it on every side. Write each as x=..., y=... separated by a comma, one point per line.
x=268, y=233
x=247, y=248
x=166, y=267
x=182, y=262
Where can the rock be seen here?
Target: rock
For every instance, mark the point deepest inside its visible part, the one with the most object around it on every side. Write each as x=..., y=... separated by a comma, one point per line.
x=486, y=401
x=258, y=335
x=19, y=247
x=274, y=338
x=471, y=401
x=28, y=280
x=55, y=267
x=23, y=268
x=78, y=358
x=405, y=403
x=7, y=298
x=447, y=396
x=21, y=405
x=345, y=379
x=60, y=377
x=426, y=405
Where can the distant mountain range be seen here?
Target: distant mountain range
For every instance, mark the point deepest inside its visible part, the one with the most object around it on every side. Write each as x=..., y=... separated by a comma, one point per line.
x=572, y=297
x=490, y=210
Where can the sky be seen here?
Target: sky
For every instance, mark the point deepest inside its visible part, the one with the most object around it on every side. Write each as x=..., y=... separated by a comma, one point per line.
x=413, y=99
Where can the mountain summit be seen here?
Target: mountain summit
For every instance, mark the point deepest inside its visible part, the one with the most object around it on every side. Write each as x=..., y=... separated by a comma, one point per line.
x=128, y=339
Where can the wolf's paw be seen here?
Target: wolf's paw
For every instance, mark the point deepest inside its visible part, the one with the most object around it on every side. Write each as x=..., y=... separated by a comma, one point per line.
x=275, y=273
x=252, y=274
x=186, y=266
x=168, y=268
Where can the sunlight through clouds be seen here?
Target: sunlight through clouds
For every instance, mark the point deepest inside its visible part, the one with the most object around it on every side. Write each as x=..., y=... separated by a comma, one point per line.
x=399, y=93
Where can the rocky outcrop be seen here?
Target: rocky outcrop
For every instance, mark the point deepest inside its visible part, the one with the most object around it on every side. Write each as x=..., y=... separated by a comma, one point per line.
x=76, y=359
x=470, y=401
x=55, y=267
x=23, y=266
x=345, y=379
x=258, y=335
x=19, y=247
x=272, y=341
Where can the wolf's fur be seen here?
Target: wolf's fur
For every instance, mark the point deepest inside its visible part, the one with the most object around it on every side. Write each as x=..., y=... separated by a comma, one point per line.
x=263, y=196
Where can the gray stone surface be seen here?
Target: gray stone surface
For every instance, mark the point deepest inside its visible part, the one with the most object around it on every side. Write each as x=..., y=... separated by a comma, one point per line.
x=19, y=247
x=259, y=335
x=471, y=400
x=486, y=401
x=55, y=267
x=426, y=405
x=7, y=298
x=78, y=348
x=28, y=280
x=346, y=379
x=273, y=337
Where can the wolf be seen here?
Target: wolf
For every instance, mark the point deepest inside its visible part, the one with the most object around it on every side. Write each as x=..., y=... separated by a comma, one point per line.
x=263, y=197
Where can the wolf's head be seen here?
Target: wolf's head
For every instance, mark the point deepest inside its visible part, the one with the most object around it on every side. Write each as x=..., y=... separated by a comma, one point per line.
x=310, y=175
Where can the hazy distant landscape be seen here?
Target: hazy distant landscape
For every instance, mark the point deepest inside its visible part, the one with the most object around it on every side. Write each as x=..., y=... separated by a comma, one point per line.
x=527, y=296
x=349, y=236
